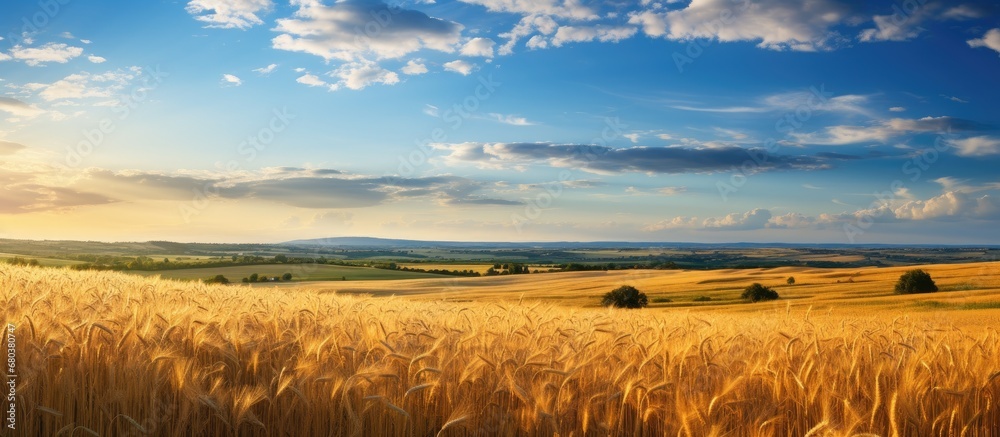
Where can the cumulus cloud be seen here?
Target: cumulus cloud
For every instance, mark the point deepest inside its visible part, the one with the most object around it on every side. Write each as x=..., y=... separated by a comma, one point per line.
x=264, y=71
x=414, y=67
x=51, y=52
x=528, y=25
x=96, y=59
x=350, y=30
x=478, y=47
x=86, y=85
x=311, y=80
x=231, y=80
x=607, y=160
x=228, y=14
x=359, y=75
x=990, y=40
x=949, y=205
x=773, y=24
x=571, y=34
x=460, y=66
x=569, y=9
x=755, y=219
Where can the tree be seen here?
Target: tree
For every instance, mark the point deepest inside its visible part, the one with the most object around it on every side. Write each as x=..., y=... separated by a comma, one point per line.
x=253, y=277
x=790, y=280
x=286, y=277
x=218, y=279
x=756, y=293
x=625, y=296
x=280, y=259
x=915, y=281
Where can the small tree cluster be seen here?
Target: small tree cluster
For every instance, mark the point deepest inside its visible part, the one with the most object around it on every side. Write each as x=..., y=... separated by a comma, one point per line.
x=756, y=293
x=915, y=281
x=625, y=296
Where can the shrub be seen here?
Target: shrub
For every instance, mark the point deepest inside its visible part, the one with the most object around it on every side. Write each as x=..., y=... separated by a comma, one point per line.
x=625, y=296
x=756, y=293
x=915, y=281
x=286, y=277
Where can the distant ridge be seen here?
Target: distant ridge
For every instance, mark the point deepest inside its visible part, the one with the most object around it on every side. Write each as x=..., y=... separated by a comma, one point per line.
x=386, y=243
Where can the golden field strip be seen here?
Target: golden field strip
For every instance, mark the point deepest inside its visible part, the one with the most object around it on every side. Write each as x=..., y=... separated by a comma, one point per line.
x=107, y=354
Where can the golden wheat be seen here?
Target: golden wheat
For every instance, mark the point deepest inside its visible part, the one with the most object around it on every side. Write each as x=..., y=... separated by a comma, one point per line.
x=110, y=354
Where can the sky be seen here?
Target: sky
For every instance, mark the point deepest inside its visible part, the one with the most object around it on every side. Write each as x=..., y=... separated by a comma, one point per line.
x=817, y=121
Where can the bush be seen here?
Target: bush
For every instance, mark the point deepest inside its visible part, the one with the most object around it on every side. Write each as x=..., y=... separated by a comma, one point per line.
x=915, y=281
x=625, y=296
x=286, y=277
x=757, y=293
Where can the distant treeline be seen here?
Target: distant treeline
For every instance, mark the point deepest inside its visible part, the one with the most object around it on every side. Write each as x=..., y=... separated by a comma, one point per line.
x=145, y=263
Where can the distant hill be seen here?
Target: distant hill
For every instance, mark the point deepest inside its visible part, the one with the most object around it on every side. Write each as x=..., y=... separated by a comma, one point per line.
x=388, y=243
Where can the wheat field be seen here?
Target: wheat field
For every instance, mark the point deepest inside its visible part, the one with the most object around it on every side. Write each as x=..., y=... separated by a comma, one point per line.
x=106, y=354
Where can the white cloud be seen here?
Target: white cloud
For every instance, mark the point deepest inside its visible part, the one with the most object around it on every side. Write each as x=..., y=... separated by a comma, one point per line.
x=228, y=14
x=528, y=25
x=311, y=80
x=775, y=24
x=949, y=205
x=478, y=47
x=358, y=75
x=86, y=85
x=897, y=109
x=512, y=120
x=977, y=146
x=352, y=30
x=51, y=52
x=569, y=9
x=990, y=40
x=231, y=80
x=882, y=131
x=756, y=219
x=633, y=137
x=459, y=66
x=264, y=71
x=96, y=59
x=570, y=34
x=431, y=110
x=414, y=67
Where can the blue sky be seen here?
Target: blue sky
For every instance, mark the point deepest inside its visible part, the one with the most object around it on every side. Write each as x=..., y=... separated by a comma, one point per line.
x=502, y=120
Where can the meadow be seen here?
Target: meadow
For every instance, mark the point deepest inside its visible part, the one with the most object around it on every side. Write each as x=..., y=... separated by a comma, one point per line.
x=105, y=353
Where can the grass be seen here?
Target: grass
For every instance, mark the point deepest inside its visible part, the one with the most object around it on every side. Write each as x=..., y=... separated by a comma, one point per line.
x=300, y=272
x=104, y=353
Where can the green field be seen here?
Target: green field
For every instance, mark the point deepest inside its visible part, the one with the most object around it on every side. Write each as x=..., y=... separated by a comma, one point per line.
x=45, y=262
x=300, y=272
